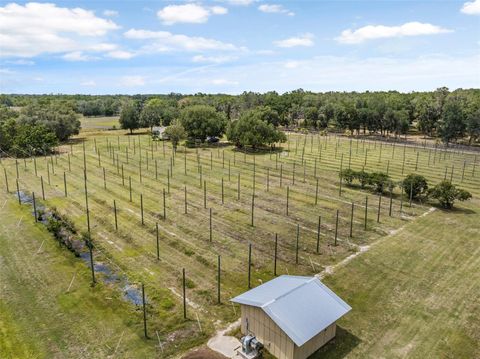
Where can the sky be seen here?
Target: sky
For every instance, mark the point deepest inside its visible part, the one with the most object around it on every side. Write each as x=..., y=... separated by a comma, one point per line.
x=231, y=46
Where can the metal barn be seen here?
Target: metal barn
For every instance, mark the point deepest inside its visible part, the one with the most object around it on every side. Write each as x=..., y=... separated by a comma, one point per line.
x=291, y=316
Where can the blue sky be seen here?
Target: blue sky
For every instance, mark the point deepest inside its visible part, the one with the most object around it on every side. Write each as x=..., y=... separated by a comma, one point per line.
x=231, y=46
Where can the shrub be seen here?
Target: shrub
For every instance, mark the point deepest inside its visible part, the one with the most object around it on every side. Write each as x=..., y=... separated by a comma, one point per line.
x=446, y=193
x=348, y=175
x=379, y=181
x=416, y=184
x=363, y=177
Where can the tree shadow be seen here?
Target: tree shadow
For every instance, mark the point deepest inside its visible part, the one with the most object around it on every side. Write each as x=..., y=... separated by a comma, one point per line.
x=455, y=210
x=339, y=347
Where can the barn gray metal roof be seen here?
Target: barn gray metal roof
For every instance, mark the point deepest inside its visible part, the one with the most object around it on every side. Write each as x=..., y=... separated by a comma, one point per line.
x=301, y=306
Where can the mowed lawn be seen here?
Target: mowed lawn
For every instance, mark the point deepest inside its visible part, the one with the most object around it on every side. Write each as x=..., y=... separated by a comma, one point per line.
x=415, y=294
x=40, y=317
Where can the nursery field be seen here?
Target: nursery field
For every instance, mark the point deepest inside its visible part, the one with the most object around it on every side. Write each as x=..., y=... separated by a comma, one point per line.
x=153, y=212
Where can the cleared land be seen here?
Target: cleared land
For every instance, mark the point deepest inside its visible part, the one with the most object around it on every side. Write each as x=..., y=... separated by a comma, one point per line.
x=185, y=238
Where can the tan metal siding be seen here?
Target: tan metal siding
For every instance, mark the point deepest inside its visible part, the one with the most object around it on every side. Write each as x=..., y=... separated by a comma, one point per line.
x=315, y=343
x=267, y=332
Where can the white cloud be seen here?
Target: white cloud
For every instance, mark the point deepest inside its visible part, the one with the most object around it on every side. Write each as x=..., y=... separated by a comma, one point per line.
x=21, y=62
x=275, y=9
x=240, y=2
x=303, y=40
x=213, y=59
x=78, y=56
x=132, y=81
x=293, y=64
x=188, y=13
x=89, y=83
x=165, y=41
x=223, y=82
x=371, y=32
x=120, y=54
x=35, y=28
x=110, y=13
x=219, y=10
x=5, y=71
x=471, y=7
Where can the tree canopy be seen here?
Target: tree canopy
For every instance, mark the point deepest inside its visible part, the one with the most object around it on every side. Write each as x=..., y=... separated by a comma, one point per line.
x=201, y=121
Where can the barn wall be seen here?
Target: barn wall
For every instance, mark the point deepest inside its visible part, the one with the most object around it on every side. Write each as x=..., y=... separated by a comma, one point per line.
x=267, y=332
x=315, y=343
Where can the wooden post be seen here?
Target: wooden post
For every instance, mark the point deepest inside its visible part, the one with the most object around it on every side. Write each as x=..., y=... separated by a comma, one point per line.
x=351, y=220
x=316, y=193
x=141, y=207
x=184, y=295
x=411, y=193
x=238, y=187
x=275, y=256
x=144, y=312
x=288, y=196
x=463, y=170
x=164, y=206
x=18, y=192
x=401, y=202
x=158, y=241
x=43, y=189
x=90, y=249
x=336, y=230
x=86, y=200
x=222, y=192
x=249, y=263
x=205, y=194
x=318, y=233
x=218, y=279
x=296, y=246
x=253, y=209
x=391, y=203
x=35, y=165
x=210, y=224
x=130, y=186
x=341, y=177
x=34, y=207
x=416, y=163
x=366, y=211
x=379, y=207
x=185, y=199
x=6, y=179
x=104, y=179
x=65, y=183
x=115, y=214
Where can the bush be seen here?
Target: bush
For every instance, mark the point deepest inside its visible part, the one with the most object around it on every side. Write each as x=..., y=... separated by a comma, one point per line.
x=348, y=175
x=416, y=184
x=379, y=181
x=363, y=177
x=446, y=193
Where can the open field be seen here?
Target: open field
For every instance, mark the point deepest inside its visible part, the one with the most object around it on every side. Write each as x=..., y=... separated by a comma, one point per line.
x=99, y=123
x=414, y=294
x=184, y=238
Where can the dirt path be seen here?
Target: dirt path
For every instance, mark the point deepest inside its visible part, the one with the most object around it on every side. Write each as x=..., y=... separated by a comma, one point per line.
x=223, y=343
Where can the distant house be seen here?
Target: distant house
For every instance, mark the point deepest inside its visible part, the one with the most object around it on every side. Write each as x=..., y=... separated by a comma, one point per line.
x=292, y=316
x=158, y=132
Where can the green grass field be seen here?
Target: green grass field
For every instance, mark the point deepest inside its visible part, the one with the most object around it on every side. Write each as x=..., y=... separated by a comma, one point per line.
x=185, y=238
x=99, y=123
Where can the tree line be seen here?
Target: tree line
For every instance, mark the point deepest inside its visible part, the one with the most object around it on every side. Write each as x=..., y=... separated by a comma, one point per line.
x=447, y=115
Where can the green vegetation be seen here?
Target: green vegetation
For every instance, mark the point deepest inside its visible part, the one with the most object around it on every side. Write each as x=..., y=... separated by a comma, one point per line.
x=450, y=116
x=200, y=122
x=415, y=186
x=252, y=130
x=225, y=180
x=447, y=193
x=413, y=293
x=175, y=133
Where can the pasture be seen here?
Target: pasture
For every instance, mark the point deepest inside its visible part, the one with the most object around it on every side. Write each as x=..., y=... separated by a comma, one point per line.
x=216, y=201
